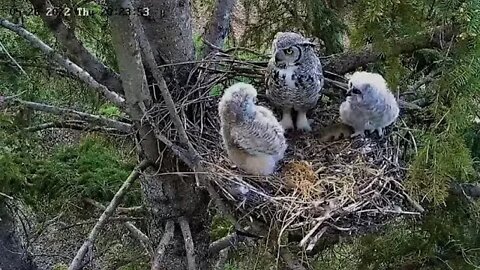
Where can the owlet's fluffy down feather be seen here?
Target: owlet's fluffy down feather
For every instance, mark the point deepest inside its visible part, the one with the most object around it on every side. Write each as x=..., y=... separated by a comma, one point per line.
x=369, y=105
x=294, y=78
x=251, y=134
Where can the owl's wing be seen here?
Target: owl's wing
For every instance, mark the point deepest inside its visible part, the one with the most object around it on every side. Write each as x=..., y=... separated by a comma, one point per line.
x=269, y=74
x=259, y=137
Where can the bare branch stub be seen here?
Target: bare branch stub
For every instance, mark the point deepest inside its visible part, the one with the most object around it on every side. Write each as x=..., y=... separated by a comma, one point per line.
x=77, y=261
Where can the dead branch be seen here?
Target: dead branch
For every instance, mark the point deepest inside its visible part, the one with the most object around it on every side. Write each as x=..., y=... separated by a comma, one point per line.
x=64, y=62
x=93, y=221
x=65, y=35
x=120, y=210
x=162, y=246
x=217, y=28
x=189, y=246
x=100, y=120
x=76, y=262
x=77, y=125
x=230, y=240
x=140, y=236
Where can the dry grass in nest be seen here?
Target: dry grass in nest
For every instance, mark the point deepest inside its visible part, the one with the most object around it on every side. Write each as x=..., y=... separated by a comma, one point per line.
x=302, y=179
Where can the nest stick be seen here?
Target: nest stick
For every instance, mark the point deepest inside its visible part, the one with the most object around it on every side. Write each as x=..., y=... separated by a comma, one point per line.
x=162, y=246
x=76, y=262
x=189, y=246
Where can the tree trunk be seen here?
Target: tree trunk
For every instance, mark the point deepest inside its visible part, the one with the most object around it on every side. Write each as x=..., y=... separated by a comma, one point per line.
x=13, y=256
x=169, y=197
x=169, y=30
x=218, y=27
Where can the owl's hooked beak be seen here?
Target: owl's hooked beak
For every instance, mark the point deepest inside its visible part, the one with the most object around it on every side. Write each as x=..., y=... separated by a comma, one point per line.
x=349, y=93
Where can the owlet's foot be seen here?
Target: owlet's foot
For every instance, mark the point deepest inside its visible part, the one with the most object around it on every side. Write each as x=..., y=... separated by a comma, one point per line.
x=303, y=123
x=287, y=121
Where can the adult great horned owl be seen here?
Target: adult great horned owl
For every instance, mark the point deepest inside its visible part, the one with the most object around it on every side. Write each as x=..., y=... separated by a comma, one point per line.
x=251, y=134
x=294, y=78
x=369, y=105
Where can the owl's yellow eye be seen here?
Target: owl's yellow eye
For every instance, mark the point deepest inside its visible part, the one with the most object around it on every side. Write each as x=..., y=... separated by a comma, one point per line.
x=288, y=51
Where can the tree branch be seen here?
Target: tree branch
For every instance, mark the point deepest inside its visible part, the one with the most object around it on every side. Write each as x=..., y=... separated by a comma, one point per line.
x=140, y=236
x=76, y=262
x=120, y=210
x=75, y=49
x=64, y=62
x=230, y=240
x=162, y=246
x=189, y=246
x=217, y=28
x=120, y=126
x=349, y=61
x=76, y=125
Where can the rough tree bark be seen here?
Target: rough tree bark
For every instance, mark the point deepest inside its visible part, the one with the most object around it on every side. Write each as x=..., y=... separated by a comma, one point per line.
x=13, y=256
x=218, y=27
x=169, y=197
x=169, y=30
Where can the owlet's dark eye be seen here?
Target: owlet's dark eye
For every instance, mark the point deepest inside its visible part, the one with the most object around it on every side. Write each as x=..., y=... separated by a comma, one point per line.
x=356, y=91
x=288, y=51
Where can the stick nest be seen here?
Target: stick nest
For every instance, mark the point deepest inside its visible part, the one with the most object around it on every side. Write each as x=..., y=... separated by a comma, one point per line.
x=349, y=185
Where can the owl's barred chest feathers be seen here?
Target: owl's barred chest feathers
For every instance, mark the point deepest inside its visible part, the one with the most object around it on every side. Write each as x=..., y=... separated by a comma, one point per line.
x=287, y=75
x=294, y=86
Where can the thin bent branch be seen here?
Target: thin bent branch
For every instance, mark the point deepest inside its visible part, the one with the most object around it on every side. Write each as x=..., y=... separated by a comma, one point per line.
x=64, y=62
x=77, y=261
